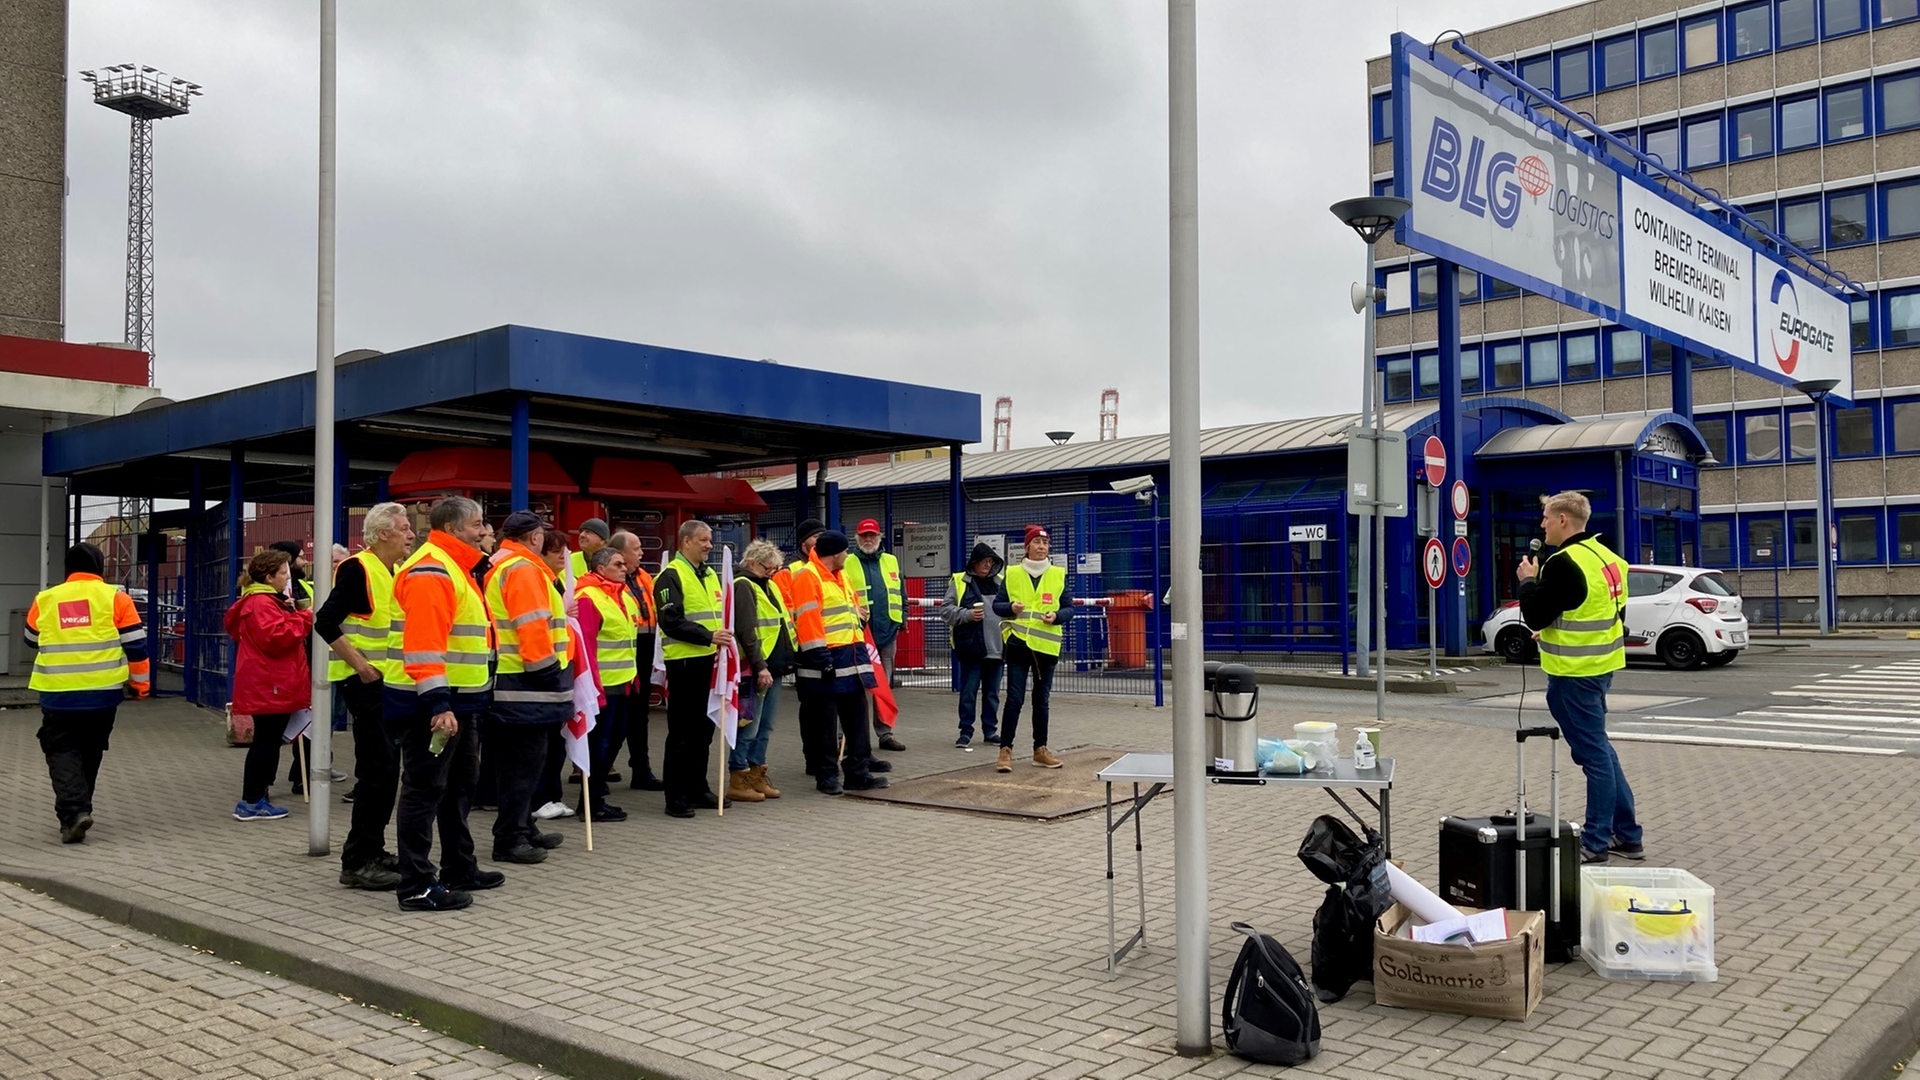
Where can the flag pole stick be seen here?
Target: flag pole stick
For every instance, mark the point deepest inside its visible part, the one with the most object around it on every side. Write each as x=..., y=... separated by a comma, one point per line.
x=586, y=806
x=306, y=782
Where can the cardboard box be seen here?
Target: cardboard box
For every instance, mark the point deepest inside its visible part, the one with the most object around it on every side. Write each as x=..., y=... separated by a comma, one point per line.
x=1502, y=979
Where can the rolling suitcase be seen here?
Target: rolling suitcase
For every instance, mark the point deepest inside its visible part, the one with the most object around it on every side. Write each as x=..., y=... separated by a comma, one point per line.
x=1489, y=862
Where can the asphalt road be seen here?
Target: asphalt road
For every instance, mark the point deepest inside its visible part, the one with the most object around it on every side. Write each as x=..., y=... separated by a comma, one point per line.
x=1846, y=695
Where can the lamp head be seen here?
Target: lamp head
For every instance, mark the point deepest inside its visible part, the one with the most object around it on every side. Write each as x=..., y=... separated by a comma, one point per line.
x=1059, y=438
x=1372, y=216
x=1816, y=388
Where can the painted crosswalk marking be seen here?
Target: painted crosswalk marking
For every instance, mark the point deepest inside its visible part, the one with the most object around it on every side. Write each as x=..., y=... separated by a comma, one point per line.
x=1862, y=710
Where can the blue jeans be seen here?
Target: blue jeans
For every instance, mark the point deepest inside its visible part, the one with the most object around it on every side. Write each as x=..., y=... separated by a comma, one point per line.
x=1579, y=706
x=750, y=746
x=980, y=678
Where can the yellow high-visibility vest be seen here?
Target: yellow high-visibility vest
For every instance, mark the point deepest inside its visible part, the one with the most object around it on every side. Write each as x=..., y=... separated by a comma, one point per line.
x=615, y=646
x=468, y=651
x=701, y=601
x=1590, y=639
x=1044, y=638
x=856, y=572
x=506, y=628
x=80, y=648
x=371, y=634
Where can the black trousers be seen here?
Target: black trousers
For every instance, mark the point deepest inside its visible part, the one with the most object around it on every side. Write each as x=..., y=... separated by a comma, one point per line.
x=639, y=710
x=824, y=718
x=689, y=730
x=434, y=790
x=1023, y=663
x=376, y=773
x=519, y=754
x=263, y=756
x=552, y=786
x=74, y=743
x=604, y=742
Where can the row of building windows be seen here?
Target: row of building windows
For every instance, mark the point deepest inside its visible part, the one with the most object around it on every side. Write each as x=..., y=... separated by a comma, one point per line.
x=1802, y=121
x=1663, y=50
x=1761, y=540
x=1846, y=217
x=1889, y=319
x=1890, y=427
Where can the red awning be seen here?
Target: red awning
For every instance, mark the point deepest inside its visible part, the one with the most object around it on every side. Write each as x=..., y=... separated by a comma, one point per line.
x=473, y=468
x=624, y=478
x=727, y=496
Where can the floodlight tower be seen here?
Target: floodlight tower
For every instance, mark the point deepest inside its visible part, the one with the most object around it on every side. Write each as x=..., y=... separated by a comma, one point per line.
x=144, y=94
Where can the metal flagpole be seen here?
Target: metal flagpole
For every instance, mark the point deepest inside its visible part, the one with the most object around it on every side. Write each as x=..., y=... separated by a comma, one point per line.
x=1193, y=1027
x=320, y=774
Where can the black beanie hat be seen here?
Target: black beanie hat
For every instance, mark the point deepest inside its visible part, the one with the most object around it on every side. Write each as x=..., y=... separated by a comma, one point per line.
x=830, y=543
x=85, y=559
x=809, y=527
x=520, y=524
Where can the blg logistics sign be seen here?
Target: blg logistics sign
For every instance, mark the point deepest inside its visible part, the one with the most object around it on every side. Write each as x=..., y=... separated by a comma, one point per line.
x=1500, y=189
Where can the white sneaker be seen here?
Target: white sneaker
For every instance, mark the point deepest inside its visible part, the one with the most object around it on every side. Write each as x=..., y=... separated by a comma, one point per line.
x=553, y=810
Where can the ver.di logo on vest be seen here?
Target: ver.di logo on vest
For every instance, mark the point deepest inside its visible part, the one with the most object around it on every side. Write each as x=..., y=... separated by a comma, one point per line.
x=1793, y=328
x=1492, y=185
x=75, y=613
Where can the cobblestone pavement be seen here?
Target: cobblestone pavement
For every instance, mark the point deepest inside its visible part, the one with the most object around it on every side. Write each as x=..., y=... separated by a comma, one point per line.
x=837, y=938
x=84, y=997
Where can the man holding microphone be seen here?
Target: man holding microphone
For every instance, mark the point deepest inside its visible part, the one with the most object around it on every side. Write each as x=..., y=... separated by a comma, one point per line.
x=1576, y=602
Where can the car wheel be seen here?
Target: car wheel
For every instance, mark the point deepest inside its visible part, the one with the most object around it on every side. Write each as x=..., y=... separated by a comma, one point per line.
x=1681, y=650
x=1515, y=645
x=1722, y=659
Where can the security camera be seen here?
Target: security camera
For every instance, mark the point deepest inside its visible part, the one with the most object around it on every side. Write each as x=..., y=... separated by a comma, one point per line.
x=1133, y=485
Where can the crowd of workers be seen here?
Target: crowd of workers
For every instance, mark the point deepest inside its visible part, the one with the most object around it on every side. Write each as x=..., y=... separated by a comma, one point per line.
x=463, y=662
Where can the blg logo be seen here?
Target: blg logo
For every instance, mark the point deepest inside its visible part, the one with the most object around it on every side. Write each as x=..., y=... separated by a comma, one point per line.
x=1791, y=330
x=1483, y=185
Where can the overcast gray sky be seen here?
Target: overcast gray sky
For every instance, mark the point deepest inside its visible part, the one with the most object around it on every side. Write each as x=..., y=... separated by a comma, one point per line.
x=970, y=193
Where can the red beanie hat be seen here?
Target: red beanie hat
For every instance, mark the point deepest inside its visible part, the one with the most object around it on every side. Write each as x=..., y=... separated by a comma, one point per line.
x=1034, y=532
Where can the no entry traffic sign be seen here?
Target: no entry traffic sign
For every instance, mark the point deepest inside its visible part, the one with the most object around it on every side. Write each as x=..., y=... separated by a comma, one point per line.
x=1459, y=500
x=1436, y=455
x=1433, y=562
x=1462, y=556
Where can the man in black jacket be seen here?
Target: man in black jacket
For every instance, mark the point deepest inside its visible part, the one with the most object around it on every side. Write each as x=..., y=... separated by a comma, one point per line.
x=687, y=596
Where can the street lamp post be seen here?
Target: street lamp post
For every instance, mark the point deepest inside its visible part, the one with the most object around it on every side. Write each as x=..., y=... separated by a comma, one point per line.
x=1817, y=391
x=1371, y=217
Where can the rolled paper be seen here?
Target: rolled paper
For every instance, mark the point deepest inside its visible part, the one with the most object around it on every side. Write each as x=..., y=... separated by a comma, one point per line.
x=1418, y=898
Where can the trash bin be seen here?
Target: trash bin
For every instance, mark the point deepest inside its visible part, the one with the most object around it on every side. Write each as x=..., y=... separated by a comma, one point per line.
x=1127, y=630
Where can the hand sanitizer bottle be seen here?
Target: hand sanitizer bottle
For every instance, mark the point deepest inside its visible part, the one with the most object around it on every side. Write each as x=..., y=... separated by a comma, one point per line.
x=1363, y=751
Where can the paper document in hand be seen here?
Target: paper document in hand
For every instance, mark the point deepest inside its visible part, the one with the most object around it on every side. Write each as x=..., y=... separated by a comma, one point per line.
x=1477, y=928
x=297, y=724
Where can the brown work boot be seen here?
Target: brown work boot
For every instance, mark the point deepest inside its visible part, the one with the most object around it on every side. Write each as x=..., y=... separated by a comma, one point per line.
x=740, y=788
x=1044, y=758
x=758, y=777
x=1005, y=764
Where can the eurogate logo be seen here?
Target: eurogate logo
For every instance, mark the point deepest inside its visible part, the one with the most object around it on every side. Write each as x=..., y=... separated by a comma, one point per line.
x=1792, y=328
x=1491, y=185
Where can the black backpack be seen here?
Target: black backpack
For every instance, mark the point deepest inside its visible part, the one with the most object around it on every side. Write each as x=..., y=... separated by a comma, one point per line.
x=1355, y=871
x=1269, y=1016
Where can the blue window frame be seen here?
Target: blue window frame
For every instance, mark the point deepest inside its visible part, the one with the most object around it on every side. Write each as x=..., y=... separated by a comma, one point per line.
x=1626, y=352
x=1904, y=529
x=1470, y=372
x=1426, y=286
x=1395, y=282
x=1713, y=429
x=1700, y=41
x=1383, y=187
x=1859, y=539
x=1501, y=290
x=1863, y=331
x=1752, y=127
x=1543, y=361
x=1399, y=380
x=1382, y=116
x=1426, y=370
x=1900, y=209
x=1846, y=112
x=1703, y=141
x=1800, y=545
x=1662, y=143
x=1469, y=285
x=1659, y=51
x=1582, y=352
x=1903, y=318
x=1854, y=432
x=1902, y=425
x=1507, y=366
x=1765, y=216
x=1760, y=437
x=1800, y=435
x=1538, y=71
x=1573, y=72
x=1893, y=11
x=1849, y=219
x=1749, y=30
x=1797, y=23
x=1762, y=532
x=1800, y=222
x=1839, y=17
x=1617, y=67
x=1716, y=540
x=1799, y=123
x=1898, y=106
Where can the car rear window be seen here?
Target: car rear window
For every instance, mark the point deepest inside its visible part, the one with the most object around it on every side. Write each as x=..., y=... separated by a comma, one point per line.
x=1713, y=585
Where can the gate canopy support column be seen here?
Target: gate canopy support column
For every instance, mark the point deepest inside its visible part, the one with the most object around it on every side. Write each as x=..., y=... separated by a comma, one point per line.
x=522, y=428
x=1452, y=597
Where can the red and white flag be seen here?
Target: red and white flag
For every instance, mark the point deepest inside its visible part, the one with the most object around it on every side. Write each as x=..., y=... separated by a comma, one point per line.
x=883, y=702
x=586, y=705
x=723, y=696
x=660, y=640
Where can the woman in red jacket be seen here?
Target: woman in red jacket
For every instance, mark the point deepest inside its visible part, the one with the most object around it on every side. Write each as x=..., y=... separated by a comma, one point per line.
x=271, y=679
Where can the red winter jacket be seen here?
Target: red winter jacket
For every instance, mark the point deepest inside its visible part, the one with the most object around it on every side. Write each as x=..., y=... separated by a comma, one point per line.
x=270, y=672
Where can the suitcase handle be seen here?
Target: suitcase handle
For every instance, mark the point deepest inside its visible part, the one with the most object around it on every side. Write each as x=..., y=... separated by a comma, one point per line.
x=1548, y=732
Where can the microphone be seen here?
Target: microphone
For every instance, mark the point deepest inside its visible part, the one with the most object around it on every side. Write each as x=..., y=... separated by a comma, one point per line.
x=1533, y=546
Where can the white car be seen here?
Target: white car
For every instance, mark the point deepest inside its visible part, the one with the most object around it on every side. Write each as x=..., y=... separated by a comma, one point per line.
x=1685, y=615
